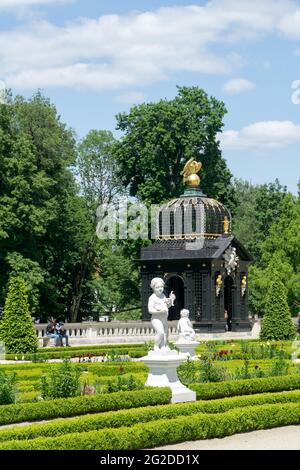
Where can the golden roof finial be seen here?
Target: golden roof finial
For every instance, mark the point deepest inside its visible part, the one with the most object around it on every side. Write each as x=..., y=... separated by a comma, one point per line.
x=226, y=224
x=189, y=173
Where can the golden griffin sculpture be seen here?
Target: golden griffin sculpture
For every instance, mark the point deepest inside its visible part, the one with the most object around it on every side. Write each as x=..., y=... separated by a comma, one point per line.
x=189, y=173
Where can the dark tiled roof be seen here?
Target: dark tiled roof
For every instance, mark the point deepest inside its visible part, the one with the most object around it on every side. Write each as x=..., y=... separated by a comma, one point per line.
x=182, y=249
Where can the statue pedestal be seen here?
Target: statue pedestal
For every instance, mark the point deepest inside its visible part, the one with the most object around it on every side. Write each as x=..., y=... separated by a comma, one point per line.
x=187, y=347
x=163, y=373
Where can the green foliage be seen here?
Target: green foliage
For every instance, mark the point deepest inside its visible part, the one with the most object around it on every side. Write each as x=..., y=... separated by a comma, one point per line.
x=7, y=388
x=246, y=387
x=116, y=284
x=258, y=208
x=63, y=407
x=211, y=373
x=108, y=354
x=277, y=322
x=123, y=384
x=16, y=328
x=168, y=431
x=160, y=137
x=280, y=254
x=64, y=382
x=116, y=419
x=39, y=204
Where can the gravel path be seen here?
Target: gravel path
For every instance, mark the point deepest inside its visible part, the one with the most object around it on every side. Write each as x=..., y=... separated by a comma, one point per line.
x=284, y=438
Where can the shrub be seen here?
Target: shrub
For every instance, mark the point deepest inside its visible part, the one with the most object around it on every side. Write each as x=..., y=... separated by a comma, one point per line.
x=123, y=384
x=168, y=431
x=277, y=321
x=63, y=407
x=246, y=387
x=7, y=388
x=16, y=328
x=63, y=382
x=211, y=373
x=116, y=419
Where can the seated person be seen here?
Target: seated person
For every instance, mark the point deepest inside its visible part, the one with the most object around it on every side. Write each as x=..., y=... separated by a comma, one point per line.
x=60, y=328
x=51, y=332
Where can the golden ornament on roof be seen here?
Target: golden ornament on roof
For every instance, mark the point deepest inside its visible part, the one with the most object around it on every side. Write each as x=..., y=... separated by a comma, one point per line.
x=226, y=224
x=189, y=173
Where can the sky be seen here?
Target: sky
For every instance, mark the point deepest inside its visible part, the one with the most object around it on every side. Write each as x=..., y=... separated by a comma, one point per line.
x=95, y=58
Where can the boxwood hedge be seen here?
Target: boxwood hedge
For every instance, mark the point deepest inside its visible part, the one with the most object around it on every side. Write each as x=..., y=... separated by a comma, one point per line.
x=168, y=431
x=115, y=419
x=61, y=407
x=208, y=391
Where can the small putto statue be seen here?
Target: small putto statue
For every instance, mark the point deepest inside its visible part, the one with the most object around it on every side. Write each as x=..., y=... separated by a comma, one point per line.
x=244, y=285
x=218, y=285
x=158, y=307
x=231, y=260
x=185, y=327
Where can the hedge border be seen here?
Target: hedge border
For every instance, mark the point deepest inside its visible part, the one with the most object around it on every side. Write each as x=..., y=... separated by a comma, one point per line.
x=115, y=419
x=147, y=435
x=64, y=407
x=212, y=390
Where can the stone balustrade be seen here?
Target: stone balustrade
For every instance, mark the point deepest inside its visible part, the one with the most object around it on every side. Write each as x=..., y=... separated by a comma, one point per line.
x=114, y=332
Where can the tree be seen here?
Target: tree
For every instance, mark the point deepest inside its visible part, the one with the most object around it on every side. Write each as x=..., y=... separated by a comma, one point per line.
x=277, y=322
x=280, y=252
x=41, y=211
x=258, y=207
x=96, y=168
x=160, y=137
x=116, y=283
x=16, y=328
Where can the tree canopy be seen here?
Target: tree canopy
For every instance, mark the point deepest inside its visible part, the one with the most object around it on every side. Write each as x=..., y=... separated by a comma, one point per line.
x=160, y=137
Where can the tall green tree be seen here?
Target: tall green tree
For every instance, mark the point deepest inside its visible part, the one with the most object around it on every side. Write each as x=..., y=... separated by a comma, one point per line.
x=160, y=137
x=277, y=322
x=97, y=171
x=37, y=190
x=16, y=327
x=280, y=253
x=258, y=207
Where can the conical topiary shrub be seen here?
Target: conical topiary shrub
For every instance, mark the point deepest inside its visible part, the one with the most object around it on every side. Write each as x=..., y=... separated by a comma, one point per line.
x=277, y=322
x=16, y=328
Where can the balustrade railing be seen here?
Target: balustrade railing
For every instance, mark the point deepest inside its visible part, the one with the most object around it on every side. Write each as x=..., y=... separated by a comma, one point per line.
x=106, y=332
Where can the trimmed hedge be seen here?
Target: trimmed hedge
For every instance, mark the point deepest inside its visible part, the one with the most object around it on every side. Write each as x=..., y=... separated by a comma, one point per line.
x=115, y=419
x=69, y=353
x=146, y=435
x=87, y=348
x=61, y=407
x=208, y=391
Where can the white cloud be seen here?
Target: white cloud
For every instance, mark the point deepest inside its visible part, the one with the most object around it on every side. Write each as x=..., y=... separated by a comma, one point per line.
x=12, y=4
x=131, y=97
x=238, y=85
x=261, y=135
x=121, y=51
x=290, y=25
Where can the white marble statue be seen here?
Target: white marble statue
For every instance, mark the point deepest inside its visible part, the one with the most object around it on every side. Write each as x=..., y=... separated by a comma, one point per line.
x=231, y=260
x=185, y=327
x=158, y=307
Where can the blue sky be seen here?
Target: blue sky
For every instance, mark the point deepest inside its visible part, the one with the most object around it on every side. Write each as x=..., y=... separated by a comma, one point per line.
x=96, y=58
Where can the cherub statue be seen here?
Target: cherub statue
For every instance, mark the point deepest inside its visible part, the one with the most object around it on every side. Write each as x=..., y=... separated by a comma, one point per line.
x=218, y=284
x=189, y=172
x=231, y=260
x=244, y=285
x=158, y=307
x=185, y=327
